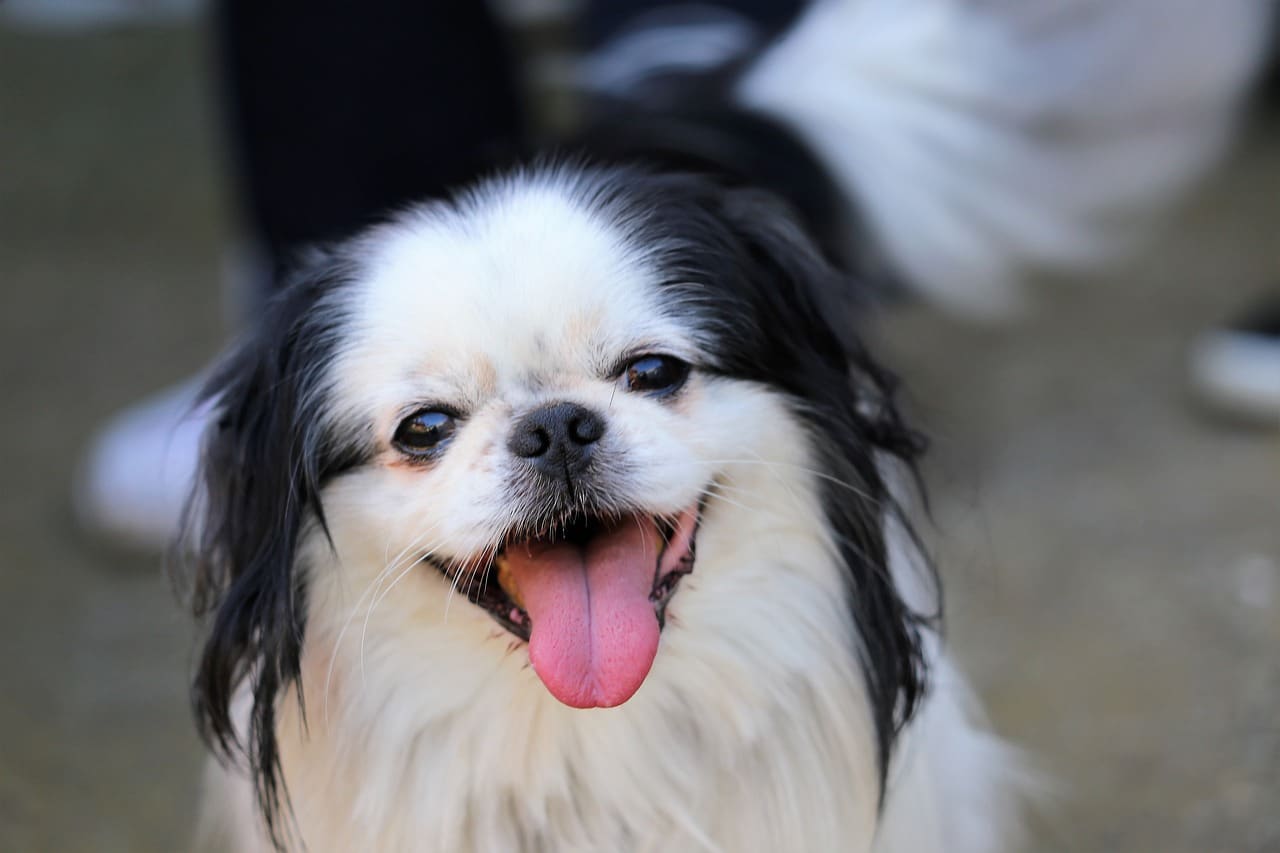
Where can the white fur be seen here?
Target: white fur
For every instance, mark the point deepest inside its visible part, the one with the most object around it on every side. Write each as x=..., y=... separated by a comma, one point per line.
x=983, y=139
x=427, y=730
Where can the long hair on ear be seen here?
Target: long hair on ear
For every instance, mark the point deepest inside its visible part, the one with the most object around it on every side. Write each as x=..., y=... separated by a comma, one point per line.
x=266, y=455
x=742, y=264
x=849, y=401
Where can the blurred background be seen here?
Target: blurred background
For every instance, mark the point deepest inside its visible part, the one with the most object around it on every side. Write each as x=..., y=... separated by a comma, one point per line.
x=1110, y=550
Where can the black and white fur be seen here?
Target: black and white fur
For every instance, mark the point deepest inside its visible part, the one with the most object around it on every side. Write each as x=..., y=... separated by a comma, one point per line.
x=799, y=699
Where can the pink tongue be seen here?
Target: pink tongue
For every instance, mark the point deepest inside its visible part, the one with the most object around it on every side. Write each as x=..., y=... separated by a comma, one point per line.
x=594, y=632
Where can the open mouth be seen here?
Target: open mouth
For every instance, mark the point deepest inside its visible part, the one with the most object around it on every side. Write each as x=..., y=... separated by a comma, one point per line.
x=590, y=596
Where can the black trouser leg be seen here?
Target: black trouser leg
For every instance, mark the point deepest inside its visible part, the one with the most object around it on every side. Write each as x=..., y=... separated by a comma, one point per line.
x=341, y=110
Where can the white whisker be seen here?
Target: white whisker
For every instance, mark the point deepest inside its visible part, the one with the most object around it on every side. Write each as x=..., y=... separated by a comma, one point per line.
x=369, y=588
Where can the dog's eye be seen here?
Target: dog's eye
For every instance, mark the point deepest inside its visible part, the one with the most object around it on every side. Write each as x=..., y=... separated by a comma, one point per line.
x=425, y=432
x=655, y=374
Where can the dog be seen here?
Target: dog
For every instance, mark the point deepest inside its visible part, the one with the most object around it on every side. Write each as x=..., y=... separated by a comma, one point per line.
x=561, y=516
x=570, y=514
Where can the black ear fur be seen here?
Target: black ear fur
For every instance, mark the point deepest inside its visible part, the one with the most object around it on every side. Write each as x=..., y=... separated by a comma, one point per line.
x=824, y=299
x=266, y=456
x=847, y=399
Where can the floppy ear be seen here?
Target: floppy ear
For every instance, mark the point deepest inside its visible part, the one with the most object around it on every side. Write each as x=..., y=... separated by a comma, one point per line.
x=822, y=304
x=266, y=456
x=806, y=315
x=798, y=271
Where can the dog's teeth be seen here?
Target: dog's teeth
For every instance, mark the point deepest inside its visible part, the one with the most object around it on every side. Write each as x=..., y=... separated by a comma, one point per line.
x=507, y=581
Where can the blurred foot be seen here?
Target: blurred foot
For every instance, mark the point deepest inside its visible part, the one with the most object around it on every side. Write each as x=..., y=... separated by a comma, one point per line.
x=134, y=481
x=1236, y=369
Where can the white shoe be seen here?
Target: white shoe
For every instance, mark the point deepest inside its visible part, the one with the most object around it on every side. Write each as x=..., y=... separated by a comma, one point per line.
x=135, y=479
x=1236, y=369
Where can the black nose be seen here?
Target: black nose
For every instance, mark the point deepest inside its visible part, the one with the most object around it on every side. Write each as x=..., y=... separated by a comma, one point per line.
x=558, y=438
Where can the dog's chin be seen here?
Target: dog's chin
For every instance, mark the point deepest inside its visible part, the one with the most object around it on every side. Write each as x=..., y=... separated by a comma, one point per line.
x=589, y=594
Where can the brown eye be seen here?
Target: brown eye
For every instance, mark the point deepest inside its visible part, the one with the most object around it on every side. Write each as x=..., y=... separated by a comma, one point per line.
x=425, y=432
x=655, y=374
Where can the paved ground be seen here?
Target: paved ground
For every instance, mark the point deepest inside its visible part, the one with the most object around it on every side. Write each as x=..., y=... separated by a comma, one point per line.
x=1112, y=557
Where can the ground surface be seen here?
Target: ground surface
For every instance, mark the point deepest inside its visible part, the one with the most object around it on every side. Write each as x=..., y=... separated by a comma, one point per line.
x=1112, y=558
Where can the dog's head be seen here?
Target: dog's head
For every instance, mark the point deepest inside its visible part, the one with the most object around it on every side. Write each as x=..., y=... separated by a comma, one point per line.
x=546, y=395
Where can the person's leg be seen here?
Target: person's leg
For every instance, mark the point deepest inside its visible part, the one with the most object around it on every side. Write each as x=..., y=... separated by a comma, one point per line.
x=336, y=111
x=339, y=111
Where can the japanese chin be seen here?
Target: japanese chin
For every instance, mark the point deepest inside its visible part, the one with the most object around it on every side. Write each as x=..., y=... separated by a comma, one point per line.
x=569, y=514
x=561, y=516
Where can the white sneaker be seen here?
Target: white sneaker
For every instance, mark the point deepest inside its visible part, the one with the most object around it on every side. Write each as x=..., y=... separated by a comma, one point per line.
x=135, y=479
x=1236, y=369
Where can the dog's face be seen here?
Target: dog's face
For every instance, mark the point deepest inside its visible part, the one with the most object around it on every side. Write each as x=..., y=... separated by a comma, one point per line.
x=545, y=425
x=541, y=393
